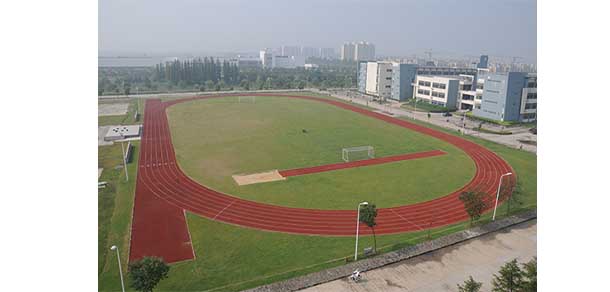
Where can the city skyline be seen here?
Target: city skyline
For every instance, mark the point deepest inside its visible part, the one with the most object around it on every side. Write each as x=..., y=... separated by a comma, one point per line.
x=405, y=28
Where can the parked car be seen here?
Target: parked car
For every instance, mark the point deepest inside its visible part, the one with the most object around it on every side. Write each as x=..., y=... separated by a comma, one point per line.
x=447, y=114
x=534, y=130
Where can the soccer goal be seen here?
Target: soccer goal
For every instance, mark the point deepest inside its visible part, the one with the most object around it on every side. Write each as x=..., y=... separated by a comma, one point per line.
x=357, y=153
x=246, y=99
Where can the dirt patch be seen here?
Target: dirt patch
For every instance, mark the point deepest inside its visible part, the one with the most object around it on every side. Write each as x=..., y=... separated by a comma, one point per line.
x=261, y=177
x=112, y=109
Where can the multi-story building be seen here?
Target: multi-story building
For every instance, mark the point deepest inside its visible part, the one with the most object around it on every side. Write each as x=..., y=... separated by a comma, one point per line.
x=437, y=90
x=386, y=80
x=379, y=79
x=327, y=53
x=510, y=96
x=280, y=61
x=348, y=52
x=247, y=63
x=308, y=52
x=290, y=51
x=364, y=51
x=441, y=71
x=483, y=60
x=468, y=95
x=266, y=58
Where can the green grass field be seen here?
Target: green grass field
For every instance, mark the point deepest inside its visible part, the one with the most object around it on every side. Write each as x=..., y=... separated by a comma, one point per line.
x=217, y=138
x=115, y=204
x=231, y=258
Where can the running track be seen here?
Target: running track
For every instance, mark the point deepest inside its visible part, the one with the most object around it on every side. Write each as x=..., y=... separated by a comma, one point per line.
x=164, y=193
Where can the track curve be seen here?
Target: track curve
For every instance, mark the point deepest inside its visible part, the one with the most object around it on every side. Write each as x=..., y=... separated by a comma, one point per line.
x=160, y=174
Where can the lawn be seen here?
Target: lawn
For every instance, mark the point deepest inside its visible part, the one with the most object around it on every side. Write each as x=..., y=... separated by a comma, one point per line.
x=115, y=204
x=216, y=138
x=231, y=258
x=423, y=106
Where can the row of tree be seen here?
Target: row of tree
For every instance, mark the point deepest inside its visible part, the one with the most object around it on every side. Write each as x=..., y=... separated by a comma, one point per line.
x=197, y=71
x=510, y=278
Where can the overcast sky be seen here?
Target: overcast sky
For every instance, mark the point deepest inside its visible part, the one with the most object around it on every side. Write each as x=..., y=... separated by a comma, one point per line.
x=396, y=27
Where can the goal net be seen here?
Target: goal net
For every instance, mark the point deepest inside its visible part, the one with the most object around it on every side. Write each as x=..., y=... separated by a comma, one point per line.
x=246, y=99
x=357, y=153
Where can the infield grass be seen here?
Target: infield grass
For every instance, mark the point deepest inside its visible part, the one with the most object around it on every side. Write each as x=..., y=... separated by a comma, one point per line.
x=217, y=138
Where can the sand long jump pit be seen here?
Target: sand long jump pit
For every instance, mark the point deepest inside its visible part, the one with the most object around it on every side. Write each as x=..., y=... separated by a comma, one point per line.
x=255, y=178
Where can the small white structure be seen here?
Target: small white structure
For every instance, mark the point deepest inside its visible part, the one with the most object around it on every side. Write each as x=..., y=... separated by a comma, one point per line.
x=122, y=132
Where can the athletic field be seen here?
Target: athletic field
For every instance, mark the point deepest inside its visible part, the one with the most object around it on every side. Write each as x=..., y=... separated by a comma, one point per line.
x=190, y=210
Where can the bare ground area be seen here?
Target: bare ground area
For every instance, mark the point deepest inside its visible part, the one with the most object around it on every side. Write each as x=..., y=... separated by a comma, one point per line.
x=442, y=270
x=112, y=109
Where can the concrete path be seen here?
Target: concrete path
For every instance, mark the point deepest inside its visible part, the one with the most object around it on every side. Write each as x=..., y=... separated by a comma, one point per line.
x=443, y=269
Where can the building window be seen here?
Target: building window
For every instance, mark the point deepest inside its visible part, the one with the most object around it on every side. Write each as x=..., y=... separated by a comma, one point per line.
x=532, y=95
x=388, y=78
x=439, y=85
x=531, y=106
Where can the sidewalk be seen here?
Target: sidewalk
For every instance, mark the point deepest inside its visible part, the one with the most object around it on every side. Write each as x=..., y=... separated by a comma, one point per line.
x=454, y=122
x=443, y=269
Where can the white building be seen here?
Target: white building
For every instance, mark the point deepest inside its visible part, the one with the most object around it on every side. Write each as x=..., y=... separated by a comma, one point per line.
x=311, y=66
x=379, y=79
x=437, y=90
x=266, y=58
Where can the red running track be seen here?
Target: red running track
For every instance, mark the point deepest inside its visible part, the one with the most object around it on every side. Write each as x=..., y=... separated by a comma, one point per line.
x=358, y=163
x=164, y=192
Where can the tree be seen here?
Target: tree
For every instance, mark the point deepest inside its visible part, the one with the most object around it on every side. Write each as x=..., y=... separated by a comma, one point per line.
x=368, y=213
x=510, y=278
x=530, y=274
x=209, y=84
x=470, y=285
x=474, y=204
x=146, y=273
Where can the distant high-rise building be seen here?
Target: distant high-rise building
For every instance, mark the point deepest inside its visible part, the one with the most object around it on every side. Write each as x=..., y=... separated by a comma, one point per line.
x=327, y=53
x=348, y=52
x=309, y=52
x=364, y=51
x=483, y=61
x=361, y=51
x=291, y=51
x=266, y=58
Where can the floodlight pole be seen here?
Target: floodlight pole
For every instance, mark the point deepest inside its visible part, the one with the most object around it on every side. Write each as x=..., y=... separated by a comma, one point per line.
x=498, y=194
x=114, y=247
x=124, y=162
x=358, y=229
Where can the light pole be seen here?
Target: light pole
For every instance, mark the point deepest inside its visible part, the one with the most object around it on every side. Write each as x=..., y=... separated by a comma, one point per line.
x=124, y=160
x=114, y=247
x=498, y=194
x=358, y=229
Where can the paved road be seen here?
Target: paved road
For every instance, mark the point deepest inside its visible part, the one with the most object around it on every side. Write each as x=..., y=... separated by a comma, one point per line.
x=442, y=270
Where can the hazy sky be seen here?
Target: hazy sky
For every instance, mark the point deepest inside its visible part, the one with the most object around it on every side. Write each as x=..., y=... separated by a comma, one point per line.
x=396, y=27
